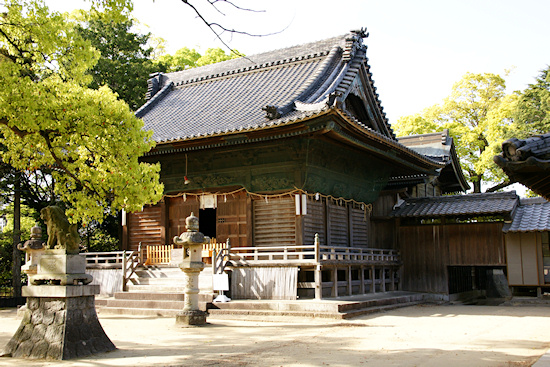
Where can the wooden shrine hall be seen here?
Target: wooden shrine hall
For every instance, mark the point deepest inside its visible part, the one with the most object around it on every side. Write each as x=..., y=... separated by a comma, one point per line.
x=287, y=155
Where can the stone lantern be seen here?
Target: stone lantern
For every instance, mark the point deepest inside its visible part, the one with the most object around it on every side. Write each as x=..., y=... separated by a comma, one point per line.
x=33, y=248
x=192, y=241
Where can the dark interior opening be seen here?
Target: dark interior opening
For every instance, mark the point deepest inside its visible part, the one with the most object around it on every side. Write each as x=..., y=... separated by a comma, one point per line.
x=207, y=222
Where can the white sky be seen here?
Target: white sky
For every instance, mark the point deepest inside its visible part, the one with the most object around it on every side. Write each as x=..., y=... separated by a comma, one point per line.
x=417, y=49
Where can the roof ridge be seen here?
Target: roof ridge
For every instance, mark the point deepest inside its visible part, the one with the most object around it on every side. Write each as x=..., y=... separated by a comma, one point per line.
x=255, y=67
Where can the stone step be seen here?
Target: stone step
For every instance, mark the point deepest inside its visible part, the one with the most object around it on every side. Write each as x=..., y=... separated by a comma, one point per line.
x=331, y=306
x=137, y=312
x=261, y=314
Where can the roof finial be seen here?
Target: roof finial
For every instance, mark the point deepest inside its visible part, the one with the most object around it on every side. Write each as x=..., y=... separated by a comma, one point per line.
x=361, y=32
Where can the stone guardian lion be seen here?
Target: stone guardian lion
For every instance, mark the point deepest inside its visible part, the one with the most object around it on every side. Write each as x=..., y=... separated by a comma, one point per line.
x=61, y=234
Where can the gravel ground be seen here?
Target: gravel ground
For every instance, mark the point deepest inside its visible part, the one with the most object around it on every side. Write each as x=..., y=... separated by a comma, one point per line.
x=426, y=335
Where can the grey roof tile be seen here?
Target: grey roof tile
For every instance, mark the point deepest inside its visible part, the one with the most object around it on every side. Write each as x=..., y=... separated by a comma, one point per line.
x=530, y=217
x=229, y=96
x=455, y=205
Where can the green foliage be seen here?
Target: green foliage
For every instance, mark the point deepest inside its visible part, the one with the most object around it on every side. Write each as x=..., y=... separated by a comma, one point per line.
x=186, y=58
x=478, y=115
x=28, y=220
x=100, y=237
x=124, y=64
x=532, y=115
x=50, y=118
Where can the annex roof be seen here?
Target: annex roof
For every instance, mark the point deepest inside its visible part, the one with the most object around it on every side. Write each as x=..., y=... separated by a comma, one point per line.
x=260, y=91
x=501, y=203
x=527, y=161
x=440, y=147
x=533, y=215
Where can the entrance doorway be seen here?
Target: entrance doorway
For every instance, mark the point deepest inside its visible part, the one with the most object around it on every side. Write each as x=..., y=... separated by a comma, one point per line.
x=207, y=222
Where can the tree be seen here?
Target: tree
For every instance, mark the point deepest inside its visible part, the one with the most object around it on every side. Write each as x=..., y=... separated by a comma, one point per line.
x=50, y=118
x=478, y=116
x=125, y=62
x=532, y=113
x=186, y=58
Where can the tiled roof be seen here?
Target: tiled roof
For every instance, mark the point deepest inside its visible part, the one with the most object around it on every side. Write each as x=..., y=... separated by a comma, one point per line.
x=230, y=96
x=440, y=147
x=458, y=205
x=527, y=161
x=531, y=216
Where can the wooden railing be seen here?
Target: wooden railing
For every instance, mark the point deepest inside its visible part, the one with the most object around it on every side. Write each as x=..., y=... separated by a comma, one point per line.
x=127, y=261
x=161, y=254
x=130, y=262
x=111, y=259
x=311, y=254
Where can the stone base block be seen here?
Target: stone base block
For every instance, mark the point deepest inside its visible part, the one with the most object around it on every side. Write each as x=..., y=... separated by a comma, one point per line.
x=58, y=329
x=191, y=318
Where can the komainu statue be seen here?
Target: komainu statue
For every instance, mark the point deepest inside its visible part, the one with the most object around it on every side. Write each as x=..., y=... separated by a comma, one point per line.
x=61, y=234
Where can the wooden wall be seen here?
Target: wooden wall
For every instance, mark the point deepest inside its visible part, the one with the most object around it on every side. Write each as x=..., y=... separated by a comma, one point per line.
x=428, y=250
x=255, y=221
x=274, y=221
x=524, y=259
x=145, y=227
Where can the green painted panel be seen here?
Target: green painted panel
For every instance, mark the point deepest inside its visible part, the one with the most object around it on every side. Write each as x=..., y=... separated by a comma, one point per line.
x=276, y=166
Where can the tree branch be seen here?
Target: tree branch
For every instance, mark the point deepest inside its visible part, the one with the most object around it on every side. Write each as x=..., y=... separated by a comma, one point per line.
x=501, y=186
x=223, y=29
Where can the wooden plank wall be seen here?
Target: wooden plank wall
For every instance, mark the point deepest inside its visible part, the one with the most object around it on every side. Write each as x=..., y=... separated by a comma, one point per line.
x=179, y=208
x=424, y=255
x=338, y=225
x=427, y=251
x=265, y=283
x=476, y=244
x=274, y=221
x=146, y=227
x=234, y=220
x=315, y=222
x=524, y=259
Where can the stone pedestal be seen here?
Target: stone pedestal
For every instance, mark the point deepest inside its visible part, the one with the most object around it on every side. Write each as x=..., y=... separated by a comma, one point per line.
x=60, y=323
x=56, y=267
x=191, y=318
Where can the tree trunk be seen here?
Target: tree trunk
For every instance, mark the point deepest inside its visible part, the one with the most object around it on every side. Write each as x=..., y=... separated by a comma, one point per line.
x=16, y=258
x=477, y=187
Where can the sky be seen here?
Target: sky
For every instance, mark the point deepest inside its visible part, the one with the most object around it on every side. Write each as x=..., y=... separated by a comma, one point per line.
x=416, y=49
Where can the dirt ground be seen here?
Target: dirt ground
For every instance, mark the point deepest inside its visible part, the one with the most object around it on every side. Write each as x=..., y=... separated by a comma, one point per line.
x=448, y=335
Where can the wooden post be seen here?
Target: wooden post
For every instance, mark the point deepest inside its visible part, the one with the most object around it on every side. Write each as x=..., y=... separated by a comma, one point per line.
x=335, y=282
x=124, y=288
x=383, y=280
x=373, y=279
x=350, y=286
x=362, y=280
x=318, y=282
x=392, y=277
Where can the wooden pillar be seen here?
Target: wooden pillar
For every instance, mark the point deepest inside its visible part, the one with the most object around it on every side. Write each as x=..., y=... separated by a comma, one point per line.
x=383, y=279
x=362, y=279
x=318, y=282
x=350, y=285
x=392, y=277
x=373, y=279
x=335, y=282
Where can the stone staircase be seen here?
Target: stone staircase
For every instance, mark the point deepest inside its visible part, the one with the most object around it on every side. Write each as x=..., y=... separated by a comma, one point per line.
x=340, y=308
x=158, y=291
x=155, y=291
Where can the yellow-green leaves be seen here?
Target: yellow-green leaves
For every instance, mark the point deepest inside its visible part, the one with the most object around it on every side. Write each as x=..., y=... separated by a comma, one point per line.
x=50, y=118
x=478, y=116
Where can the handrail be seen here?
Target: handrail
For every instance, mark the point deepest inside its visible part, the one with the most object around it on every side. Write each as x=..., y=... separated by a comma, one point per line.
x=220, y=257
x=315, y=253
x=130, y=262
